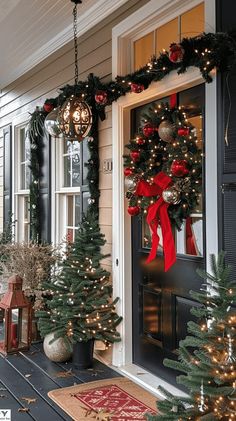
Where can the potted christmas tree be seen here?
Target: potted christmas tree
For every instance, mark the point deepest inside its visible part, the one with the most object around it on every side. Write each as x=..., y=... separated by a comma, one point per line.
x=207, y=357
x=81, y=308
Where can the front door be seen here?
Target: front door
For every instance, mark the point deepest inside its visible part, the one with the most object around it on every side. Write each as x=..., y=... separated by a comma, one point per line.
x=161, y=301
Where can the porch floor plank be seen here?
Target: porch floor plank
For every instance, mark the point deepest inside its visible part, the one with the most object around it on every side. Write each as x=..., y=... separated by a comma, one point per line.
x=31, y=374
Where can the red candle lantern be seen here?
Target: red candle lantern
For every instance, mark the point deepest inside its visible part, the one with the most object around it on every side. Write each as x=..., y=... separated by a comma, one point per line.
x=15, y=318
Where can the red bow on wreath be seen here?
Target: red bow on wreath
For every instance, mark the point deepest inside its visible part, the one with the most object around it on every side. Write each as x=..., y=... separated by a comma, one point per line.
x=158, y=214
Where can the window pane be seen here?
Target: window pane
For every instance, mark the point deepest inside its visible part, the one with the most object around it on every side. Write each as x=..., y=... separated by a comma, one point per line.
x=27, y=149
x=27, y=175
x=167, y=34
x=67, y=147
x=67, y=171
x=22, y=183
x=77, y=210
x=75, y=170
x=86, y=196
x=70, y=211
x=22, y=145
x=143, y=50
x=193, y=22
x=26, y=209
x=86, y=156
x=70, y=235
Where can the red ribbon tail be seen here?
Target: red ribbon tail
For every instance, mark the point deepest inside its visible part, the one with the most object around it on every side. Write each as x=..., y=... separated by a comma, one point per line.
x=168, y=240
x=155, y=243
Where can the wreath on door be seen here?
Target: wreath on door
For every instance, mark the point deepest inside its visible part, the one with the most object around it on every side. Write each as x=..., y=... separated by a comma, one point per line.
x=163, y=173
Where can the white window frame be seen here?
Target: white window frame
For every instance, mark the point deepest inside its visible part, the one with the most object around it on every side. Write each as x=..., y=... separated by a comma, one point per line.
x=154, y=13
x=59, y=192
x=19, y=194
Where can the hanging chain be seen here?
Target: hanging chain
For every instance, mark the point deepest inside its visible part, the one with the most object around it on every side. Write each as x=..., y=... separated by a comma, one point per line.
x=75, y=43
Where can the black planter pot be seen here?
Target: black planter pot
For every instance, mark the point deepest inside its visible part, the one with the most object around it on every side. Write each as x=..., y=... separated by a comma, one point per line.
x=83, y=354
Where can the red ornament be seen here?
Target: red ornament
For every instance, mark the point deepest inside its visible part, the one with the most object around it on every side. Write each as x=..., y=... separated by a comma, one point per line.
x=136, y=88
x=128, y=171
x=176, y=53
x=135, y=155
x=183, y=131
x=133, y=210
x=101, y=97
x=140, y=140
x=179, y=168
x=148, y=129
x=48, y=107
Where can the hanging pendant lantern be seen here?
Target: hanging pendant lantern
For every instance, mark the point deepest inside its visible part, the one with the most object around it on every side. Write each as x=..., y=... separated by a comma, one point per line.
x=75, y=115
x=75, y=119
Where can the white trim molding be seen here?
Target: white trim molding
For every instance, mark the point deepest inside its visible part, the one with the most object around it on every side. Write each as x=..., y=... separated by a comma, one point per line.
x=141, y=22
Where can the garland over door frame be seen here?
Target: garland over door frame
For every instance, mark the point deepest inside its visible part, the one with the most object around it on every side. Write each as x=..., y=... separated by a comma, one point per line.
x=141, y=22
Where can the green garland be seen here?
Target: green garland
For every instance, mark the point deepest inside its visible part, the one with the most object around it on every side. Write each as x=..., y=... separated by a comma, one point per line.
x=205, y=52
x=36, y=134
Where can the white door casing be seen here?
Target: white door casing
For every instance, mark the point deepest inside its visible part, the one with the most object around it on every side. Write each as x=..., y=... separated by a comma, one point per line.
x=151, y=15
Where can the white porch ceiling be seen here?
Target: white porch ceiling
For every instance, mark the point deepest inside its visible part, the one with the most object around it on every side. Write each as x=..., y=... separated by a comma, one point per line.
x=31, y=30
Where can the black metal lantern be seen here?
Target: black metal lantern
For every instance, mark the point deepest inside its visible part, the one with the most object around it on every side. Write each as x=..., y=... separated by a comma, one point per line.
x=75, y=115
x=75, y=119
x=15, y=318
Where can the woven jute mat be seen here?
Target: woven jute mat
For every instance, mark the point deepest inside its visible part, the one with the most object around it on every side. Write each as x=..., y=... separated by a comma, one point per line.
x=117, y=399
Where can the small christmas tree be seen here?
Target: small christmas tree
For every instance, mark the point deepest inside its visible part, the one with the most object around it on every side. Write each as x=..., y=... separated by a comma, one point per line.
x=207, y=357
x=81, y=307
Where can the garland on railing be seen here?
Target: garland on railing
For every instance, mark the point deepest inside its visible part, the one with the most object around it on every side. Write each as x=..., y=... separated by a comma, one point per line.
x=206, y=52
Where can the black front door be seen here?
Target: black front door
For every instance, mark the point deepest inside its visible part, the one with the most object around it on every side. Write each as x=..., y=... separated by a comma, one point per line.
x=161, y=301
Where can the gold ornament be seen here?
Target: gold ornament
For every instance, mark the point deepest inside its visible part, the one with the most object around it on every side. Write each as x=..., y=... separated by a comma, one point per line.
x=166, y=131
x=171, y=196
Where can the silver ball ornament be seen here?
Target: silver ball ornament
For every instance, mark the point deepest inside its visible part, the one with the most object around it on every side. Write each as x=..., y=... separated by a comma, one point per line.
x=171, y=196
x=131, y=182
x=166, y=131
x=57, y=351
x=51, y=123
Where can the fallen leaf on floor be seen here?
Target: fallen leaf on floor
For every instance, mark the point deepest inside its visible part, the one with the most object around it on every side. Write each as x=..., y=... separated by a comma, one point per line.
x=65, y=373
x=34, y=352
x=23, y=410
x=29, y=400
x=101, y=415
x=28, y=375
x=94, y=374
x=2, y=396
x=140, y=373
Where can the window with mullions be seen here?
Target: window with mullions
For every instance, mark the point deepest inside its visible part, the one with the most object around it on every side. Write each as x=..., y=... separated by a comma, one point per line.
x=71, y=186
x=188, y=24
x=22, y=183
x=24, y=159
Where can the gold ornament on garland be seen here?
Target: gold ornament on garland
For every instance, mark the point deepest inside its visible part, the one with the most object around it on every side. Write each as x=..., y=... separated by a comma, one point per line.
x=166, y=131
x=76, y=115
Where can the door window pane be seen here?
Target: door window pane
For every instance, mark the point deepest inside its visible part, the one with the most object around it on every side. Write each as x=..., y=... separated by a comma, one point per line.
x=189, y=240
x=24, y=160
x=70, y=211
x=73, y=215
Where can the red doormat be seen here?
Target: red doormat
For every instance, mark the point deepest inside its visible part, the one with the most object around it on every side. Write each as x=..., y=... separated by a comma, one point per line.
x=117, y=399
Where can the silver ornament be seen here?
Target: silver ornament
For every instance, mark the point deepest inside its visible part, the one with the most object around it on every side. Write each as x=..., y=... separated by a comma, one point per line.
x=57, y=351
x=51, y=123
x=166, y=131
x=131, y=182
x=171, y=196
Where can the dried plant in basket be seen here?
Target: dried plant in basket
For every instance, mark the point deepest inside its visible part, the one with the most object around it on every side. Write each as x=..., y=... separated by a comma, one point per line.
x=35, y=263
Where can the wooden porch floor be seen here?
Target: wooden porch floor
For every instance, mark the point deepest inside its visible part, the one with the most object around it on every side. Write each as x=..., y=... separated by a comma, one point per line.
x=30, y=375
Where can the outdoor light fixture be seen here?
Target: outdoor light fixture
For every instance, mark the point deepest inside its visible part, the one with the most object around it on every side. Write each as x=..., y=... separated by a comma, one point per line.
x=15, y=318
x=75, y=115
